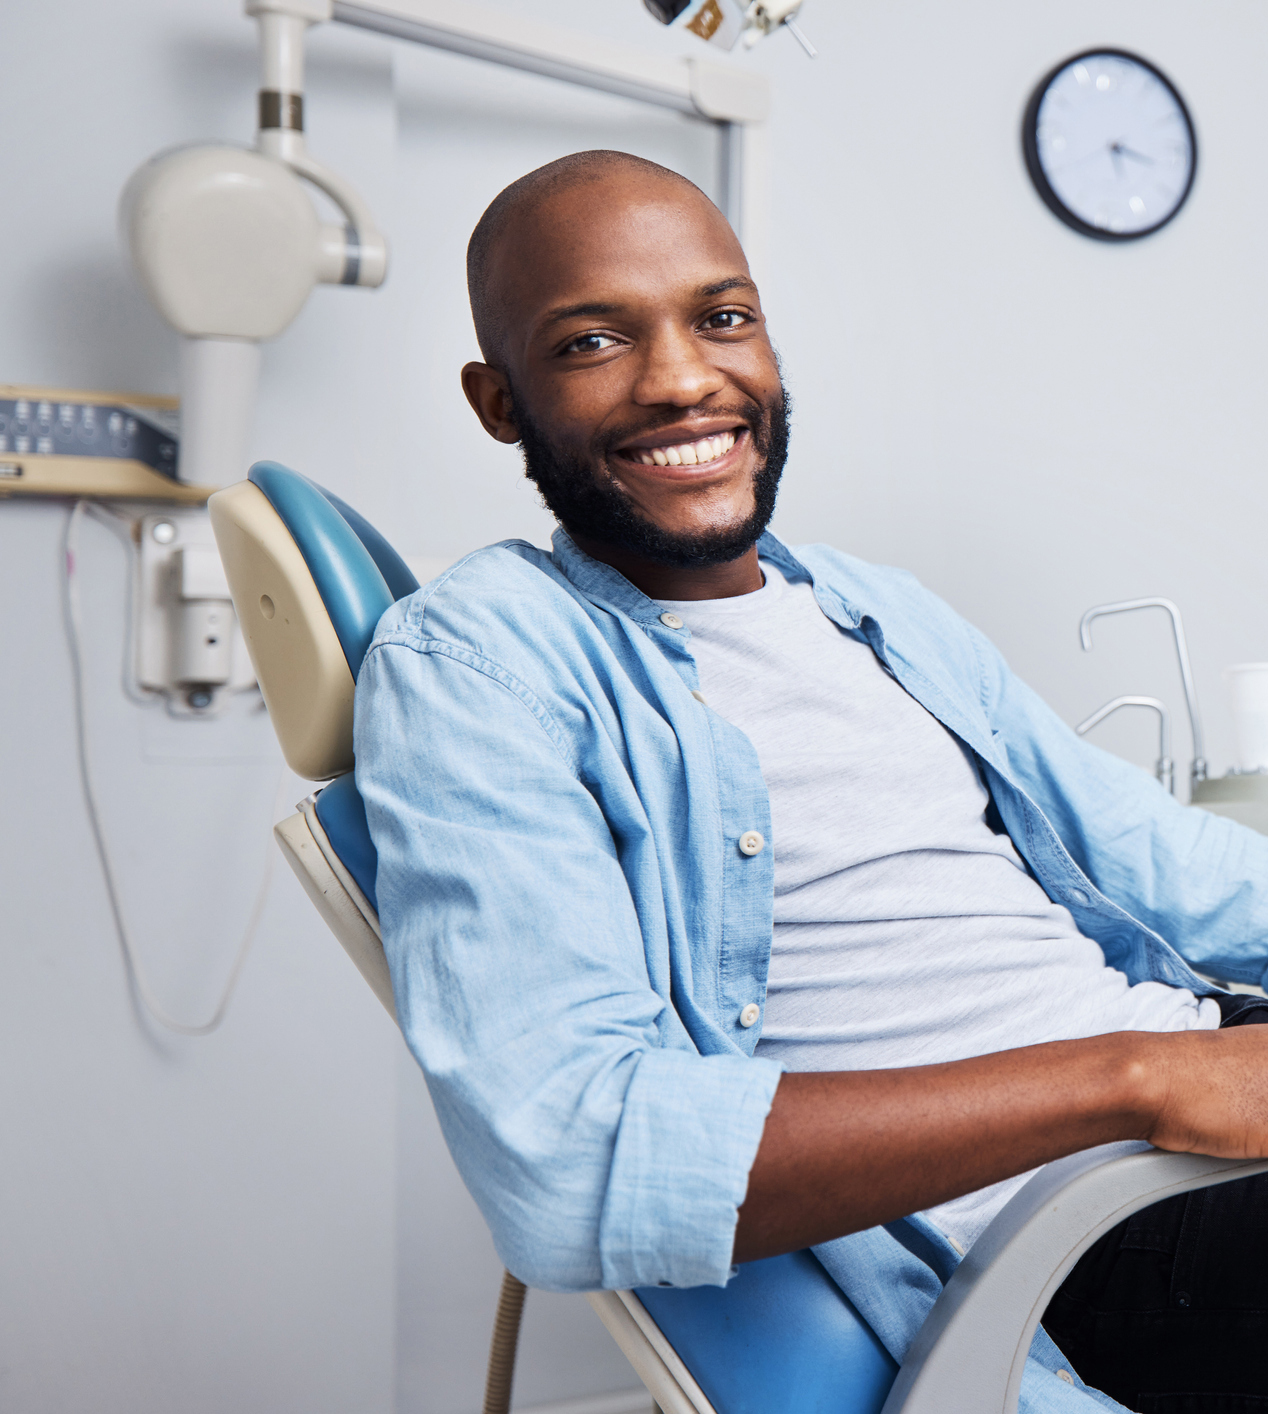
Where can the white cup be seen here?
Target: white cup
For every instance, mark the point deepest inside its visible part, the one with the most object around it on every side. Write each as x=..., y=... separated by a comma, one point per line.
x=1248, y=691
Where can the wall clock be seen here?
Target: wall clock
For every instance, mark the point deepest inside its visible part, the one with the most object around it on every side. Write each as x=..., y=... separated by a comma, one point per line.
x=1109, y=145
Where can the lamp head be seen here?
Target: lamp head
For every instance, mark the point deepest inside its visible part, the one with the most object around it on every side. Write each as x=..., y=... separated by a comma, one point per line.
x=726, y=22
x=225, y=241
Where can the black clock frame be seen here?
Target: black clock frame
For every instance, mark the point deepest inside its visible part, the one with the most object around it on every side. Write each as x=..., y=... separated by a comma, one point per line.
x=1030, y=148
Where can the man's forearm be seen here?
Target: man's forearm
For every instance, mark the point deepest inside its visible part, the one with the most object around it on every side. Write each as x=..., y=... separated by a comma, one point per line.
x=847, y=1150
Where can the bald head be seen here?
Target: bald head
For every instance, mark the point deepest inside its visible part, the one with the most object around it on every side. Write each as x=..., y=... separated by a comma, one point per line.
x=519, y=206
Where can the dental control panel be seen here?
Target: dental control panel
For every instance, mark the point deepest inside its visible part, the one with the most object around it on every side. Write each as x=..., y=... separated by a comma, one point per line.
x=44, y=427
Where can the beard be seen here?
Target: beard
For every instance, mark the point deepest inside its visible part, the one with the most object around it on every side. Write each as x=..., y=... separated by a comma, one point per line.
x=589, y=502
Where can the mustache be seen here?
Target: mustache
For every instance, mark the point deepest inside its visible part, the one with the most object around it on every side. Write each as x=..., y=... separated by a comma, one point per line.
x=752, y=414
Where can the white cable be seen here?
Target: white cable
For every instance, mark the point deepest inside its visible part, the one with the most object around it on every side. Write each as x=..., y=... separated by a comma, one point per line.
x=124, y=527
x=141, y=987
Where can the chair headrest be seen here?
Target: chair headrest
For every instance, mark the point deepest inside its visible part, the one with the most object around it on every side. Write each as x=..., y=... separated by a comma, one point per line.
x=400, y=579
x=308, y=594
x=351, y=585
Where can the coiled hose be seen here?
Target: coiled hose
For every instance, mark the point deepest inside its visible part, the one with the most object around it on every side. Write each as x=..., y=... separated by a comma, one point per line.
x=506, y=1334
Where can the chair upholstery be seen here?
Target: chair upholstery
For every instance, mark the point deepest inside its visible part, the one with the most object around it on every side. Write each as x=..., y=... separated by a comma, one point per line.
x=398, y=576
x=342, y=814
x=780, y=1336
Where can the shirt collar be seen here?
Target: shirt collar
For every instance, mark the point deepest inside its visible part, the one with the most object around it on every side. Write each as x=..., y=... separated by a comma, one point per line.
x=600, y=583
x=770, y=547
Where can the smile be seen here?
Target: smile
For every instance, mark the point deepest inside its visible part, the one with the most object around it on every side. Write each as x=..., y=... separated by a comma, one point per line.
x=697, y=453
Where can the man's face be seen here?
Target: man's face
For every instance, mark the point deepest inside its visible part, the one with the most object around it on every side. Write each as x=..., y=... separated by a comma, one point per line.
x=638, y=373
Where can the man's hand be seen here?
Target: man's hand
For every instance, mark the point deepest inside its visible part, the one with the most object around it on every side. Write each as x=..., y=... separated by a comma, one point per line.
x=1213, y=1093
x=843, y=1151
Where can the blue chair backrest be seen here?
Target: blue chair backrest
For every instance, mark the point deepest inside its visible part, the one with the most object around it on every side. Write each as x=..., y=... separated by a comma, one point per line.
x=782, y=1336
x=358, y=575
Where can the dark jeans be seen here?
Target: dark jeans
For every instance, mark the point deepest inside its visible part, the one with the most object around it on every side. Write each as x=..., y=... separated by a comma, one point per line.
x=1168, y=1312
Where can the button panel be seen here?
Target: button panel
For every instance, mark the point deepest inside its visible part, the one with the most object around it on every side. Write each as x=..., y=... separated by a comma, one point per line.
x=88, y=430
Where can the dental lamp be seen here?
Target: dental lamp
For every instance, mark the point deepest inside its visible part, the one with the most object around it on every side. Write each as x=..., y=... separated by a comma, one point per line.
x=228, y=245
x=728, y=22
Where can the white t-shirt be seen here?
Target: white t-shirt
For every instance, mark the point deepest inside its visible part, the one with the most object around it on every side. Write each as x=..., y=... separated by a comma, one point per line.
x=906, y=931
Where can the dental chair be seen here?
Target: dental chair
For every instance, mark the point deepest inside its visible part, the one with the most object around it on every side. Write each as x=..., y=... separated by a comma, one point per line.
x=310, y=579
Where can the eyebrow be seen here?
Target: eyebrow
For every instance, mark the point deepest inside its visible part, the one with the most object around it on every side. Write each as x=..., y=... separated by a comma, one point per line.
x=594, y=309
x=736, y=282
x=575, y=311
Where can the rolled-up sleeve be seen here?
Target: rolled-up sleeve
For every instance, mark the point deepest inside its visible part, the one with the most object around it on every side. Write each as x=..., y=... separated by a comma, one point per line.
x=601, y=1147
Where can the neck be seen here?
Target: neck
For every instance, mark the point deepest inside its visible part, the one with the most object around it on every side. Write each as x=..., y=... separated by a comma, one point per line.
x=725, y=581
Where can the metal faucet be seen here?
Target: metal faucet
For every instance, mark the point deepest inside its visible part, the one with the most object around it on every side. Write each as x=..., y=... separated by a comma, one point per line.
x=1197, y=768
x=1164, y=767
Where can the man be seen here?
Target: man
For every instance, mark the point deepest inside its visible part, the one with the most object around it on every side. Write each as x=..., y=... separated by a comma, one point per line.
x=739, y=901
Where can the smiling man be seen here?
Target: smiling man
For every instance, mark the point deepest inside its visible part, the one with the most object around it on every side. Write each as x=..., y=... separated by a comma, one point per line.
x=740, y=900
x=667, y=457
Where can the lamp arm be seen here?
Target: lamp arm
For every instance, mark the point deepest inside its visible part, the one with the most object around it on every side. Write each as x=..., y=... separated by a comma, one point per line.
x=356, y=255
x=363, y=247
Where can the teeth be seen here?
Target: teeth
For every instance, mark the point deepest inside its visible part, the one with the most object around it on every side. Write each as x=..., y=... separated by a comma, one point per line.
x=699, y=453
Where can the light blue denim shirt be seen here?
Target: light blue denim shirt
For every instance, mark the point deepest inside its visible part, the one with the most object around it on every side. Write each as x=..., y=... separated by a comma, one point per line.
x=573, y=930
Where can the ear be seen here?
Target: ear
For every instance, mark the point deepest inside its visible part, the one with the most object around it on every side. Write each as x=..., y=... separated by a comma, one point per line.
x=489, y=394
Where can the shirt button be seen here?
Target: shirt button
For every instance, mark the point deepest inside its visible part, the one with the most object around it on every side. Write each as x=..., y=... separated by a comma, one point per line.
x=1078, y=896
x=1066, y=1376
x=748, y=1017
x=751, y=842
x=699, y=696
x=670, y=620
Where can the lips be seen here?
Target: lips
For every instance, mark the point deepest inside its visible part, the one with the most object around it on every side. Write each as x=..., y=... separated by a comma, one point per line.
x=699, y=452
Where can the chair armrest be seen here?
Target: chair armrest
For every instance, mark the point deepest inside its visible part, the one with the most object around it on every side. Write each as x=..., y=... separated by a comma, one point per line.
x=970, y=1353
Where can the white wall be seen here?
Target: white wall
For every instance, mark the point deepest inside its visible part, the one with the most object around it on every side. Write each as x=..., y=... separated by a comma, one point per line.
x=1031, y=421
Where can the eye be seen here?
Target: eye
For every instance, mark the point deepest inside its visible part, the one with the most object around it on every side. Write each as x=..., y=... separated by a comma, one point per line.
x=723, y=319
x=589, y=343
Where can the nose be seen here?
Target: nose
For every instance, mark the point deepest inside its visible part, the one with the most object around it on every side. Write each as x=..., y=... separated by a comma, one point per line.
x=676, y=371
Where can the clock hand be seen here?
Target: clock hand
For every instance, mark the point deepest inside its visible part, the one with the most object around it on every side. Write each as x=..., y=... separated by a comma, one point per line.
x=1078, y=161
x=1133, y=154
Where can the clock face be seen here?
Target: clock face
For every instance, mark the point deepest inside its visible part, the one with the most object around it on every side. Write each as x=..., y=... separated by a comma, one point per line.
x=1109, y=145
